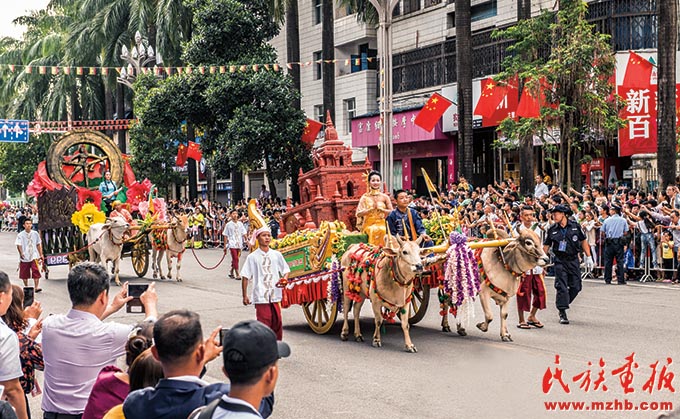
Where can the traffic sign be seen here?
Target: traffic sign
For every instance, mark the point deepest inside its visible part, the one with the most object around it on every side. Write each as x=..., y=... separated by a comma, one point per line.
x=13, y=131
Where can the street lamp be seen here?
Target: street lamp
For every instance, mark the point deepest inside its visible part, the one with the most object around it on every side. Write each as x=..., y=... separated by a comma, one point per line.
x=384, y=9
x=140, y=57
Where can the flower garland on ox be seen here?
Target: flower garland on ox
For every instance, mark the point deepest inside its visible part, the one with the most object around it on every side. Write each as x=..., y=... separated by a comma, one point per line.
x=461, y=278
x=362, y=260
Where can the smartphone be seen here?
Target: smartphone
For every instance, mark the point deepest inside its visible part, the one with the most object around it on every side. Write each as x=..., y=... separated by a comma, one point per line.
x=223, y=332
x=29, y=296
x=135, y=291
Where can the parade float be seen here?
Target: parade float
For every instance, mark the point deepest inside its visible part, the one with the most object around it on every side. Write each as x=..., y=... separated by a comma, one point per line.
x=66, y=187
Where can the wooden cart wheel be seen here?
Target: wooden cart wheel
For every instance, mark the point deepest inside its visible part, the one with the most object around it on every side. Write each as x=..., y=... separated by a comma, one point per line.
x=84, y=152
x=320, y=315
x=419, y=303
x=140, y=258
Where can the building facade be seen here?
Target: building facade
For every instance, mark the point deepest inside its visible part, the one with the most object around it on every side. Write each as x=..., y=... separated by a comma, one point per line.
x=424, y=62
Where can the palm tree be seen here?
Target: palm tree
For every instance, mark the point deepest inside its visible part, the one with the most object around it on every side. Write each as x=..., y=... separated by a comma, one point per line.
x=464, y=77
x=667, y=12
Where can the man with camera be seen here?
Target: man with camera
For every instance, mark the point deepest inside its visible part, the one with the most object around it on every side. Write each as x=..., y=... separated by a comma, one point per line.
x=183, y=354
x=77, y=345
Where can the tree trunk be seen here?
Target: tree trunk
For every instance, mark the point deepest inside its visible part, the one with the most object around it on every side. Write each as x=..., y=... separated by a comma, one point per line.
x=120, y=114
x=667, y=12
x=108, y=105
x=211, y=181
x=464, y=76
x=526, y=146
x=328, y=54
x=191, y=164
x=236, y=186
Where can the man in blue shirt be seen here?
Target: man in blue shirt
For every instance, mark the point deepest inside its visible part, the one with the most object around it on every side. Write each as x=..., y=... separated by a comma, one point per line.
x=613, y=229
x=404, y=221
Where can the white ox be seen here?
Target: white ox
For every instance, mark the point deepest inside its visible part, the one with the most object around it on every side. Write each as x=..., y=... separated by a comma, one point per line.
x=106, y=242
x=171, y=244
x=503, y=267
x=389, y=284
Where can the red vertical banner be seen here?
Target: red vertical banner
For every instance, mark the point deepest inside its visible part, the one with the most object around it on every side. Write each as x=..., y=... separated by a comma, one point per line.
x=639, y=111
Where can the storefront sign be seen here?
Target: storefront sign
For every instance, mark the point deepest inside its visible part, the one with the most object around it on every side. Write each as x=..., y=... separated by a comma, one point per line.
x=366, y=131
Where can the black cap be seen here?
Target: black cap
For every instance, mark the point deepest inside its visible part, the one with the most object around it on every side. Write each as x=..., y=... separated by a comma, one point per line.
x=250, y=345
x=560, y=208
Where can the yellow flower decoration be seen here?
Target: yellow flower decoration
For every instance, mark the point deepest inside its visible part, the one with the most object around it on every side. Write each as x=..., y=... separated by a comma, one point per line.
x=88, y=215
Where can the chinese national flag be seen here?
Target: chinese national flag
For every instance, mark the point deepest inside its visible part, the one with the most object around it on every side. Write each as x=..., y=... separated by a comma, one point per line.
x=492, y=96
x=194, y=151
x=312, y=129
x=435, y=107
x=638, y=71
x=530, y=103
x=181, y=156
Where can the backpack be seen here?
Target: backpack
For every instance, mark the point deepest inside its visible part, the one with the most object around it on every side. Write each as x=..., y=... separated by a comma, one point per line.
x=205, y=412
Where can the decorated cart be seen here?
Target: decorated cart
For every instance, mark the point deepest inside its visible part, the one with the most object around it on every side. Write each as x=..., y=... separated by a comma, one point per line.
x=66, y=186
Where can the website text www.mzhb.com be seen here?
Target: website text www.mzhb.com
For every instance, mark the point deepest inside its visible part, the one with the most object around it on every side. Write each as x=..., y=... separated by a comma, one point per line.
x=613, y=405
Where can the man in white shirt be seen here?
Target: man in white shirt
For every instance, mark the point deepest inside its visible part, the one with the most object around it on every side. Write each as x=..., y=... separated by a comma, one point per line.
x=29, y=246
x=234, y=233
x=541, y=188
x=10, y=364
x=76, y=346
x=265, y=267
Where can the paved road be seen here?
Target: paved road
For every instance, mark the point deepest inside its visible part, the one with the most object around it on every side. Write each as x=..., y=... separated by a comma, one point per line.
x=451, y=376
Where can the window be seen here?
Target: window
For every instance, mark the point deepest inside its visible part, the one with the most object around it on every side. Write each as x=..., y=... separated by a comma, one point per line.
x=411, y=6
x=451, y=20
x=318, y=65
x=317, y=12
x=483, y=11
x=318, y=113
x=350, y=108
x=429, y=3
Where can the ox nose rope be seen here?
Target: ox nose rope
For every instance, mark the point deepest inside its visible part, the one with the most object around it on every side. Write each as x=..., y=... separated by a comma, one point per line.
x=224, y=255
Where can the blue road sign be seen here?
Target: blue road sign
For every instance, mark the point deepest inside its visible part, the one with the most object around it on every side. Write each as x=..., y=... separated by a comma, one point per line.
x=13, y=131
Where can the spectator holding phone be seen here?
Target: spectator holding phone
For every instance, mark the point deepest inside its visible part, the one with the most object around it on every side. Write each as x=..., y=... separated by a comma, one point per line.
x=30, y=352
x=183, y=354
x=77, y=345
x=10, y=364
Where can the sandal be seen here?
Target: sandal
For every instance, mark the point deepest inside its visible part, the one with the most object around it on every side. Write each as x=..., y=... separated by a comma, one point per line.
x=523, y=326
x=536, y=324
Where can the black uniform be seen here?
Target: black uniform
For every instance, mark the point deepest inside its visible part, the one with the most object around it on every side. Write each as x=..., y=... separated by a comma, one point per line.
x=275, y=227
x=566, y=245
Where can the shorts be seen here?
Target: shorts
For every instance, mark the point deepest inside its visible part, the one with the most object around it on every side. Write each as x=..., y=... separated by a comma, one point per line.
x=29, y=270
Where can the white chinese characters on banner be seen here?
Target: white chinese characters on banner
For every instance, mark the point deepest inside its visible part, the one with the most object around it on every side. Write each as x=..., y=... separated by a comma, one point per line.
x=637, y=107
x=639, y=135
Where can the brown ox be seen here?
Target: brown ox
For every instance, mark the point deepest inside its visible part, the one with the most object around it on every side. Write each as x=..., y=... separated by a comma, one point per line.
x=503, y=267
x=106, y=242
x=171, y=244
x=388, y=285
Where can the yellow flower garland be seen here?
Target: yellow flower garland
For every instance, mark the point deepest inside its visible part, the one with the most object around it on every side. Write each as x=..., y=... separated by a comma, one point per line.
x=88, y=215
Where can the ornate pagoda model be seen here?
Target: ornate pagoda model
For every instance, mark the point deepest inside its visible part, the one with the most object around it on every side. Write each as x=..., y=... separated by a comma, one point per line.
x=331, y=190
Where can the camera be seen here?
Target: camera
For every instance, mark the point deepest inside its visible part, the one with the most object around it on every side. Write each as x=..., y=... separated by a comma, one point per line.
x=135, y=291
x=223, y=333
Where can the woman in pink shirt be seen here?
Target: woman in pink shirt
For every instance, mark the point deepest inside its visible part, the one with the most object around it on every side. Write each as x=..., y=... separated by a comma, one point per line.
x=113, y=385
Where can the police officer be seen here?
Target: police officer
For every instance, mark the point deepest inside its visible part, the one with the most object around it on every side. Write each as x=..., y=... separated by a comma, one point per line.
x=613, y=229
x=566, y=239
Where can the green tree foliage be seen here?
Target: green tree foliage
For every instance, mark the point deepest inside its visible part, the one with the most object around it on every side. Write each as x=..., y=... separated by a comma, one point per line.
x=576, y=62
x=18, y=162
x=245, y=116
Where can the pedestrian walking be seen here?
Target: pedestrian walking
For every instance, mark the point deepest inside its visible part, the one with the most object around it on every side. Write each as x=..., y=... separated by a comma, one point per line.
x=265, y=267
x=566, y=239
x=30, y=250
x=235, y=234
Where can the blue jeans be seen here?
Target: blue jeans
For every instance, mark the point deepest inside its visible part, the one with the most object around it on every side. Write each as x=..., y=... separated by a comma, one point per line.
x=647, y=242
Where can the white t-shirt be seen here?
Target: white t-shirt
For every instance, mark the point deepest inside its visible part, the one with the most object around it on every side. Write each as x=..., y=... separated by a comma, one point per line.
x=234, y=232
x=29, y=245
x=265, y=270
x=10, y=363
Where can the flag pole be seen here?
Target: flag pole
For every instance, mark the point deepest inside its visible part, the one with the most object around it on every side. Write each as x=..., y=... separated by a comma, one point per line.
x=430, y=188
